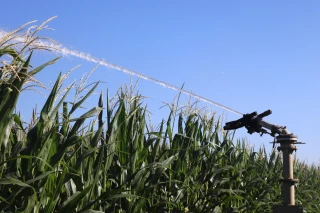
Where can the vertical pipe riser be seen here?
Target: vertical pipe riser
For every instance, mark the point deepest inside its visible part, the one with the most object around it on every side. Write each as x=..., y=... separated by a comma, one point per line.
x=287, y=147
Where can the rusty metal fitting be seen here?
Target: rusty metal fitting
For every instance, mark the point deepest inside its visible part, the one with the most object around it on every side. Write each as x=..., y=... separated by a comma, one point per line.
x=288, y=137
x=290, y=148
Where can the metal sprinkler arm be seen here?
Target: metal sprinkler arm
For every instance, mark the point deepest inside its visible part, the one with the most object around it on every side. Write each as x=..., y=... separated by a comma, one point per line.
x=274, y=128
x=255, y=123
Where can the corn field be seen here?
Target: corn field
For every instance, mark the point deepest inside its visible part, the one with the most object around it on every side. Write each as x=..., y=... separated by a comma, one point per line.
x=111, y=159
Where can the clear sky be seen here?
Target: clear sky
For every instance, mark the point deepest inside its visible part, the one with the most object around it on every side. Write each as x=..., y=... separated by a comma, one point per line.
x=247, y=55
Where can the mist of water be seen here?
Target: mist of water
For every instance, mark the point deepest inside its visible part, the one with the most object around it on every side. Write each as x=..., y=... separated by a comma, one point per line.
x=67, y=52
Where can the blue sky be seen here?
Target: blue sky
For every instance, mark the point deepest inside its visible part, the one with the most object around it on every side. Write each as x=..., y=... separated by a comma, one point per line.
x=247, y=55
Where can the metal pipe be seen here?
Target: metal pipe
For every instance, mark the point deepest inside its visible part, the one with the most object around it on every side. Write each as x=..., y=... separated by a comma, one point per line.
x=278, y=129
x=287, y=147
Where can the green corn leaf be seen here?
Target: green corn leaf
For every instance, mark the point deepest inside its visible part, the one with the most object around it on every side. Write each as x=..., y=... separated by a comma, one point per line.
x=18, y=121
x=9, y=51
x=80, y=121
x=49, y=103
x=91, y=211
x=6, y=96
x=71, y=204
x=38, y=69
x=13, y=181
x=94, y=141
x=55, y=110
x=8, y=106
x=40, y=177
x=78, y=104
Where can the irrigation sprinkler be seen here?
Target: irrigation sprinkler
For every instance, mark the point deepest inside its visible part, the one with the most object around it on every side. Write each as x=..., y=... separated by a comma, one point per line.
x=254, y=122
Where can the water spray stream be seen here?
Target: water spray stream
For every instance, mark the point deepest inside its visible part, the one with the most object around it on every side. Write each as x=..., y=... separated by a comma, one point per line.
x=65, y=51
